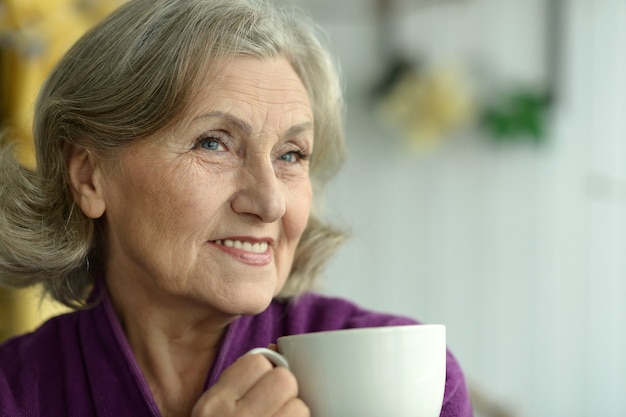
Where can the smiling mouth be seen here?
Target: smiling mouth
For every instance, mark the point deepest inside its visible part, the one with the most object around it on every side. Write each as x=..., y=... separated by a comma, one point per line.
x=257, y=247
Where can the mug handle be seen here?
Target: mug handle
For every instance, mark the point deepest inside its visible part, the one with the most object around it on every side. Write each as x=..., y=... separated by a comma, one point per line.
x=276, y=358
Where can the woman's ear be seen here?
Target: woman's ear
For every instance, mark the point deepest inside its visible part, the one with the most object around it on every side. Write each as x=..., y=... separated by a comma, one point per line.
x=84, y=172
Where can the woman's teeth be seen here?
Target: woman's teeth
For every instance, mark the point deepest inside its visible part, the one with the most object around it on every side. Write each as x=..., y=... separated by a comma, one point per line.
x=259, y=247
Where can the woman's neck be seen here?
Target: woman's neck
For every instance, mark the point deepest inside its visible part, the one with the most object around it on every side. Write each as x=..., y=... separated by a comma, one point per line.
x=174, y=344
x=175, y=368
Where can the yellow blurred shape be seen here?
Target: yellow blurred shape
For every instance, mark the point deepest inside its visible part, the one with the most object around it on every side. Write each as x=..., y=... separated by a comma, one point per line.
x=35, y=34
x=429, y=104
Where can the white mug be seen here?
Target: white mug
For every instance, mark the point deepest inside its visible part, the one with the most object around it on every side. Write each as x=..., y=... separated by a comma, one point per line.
x=397, y=371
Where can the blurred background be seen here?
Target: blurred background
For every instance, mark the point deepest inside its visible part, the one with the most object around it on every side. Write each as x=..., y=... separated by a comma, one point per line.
x=485, y=187
x=33, y=36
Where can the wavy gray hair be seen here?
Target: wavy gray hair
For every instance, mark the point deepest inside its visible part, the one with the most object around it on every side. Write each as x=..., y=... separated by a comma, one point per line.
x=127, y=78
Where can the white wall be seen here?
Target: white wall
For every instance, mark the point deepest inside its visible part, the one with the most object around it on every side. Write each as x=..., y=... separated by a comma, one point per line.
x=517, y=249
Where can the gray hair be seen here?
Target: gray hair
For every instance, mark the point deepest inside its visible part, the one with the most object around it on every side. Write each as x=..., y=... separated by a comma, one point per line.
x=129, y=77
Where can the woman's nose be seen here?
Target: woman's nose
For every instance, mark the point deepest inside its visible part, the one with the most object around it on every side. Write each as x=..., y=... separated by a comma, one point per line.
x=259, y=193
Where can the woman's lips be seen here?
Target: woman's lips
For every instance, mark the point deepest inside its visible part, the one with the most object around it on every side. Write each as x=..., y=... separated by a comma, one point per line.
x=251, y=253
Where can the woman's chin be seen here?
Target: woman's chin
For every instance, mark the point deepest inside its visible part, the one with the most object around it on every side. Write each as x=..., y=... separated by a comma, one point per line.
x=245, y=305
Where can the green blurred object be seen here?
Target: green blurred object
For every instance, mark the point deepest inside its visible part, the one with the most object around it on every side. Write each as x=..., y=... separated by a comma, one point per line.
x=519, y=116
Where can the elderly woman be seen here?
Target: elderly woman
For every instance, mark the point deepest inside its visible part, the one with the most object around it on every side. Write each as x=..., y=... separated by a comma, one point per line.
x=179, y=147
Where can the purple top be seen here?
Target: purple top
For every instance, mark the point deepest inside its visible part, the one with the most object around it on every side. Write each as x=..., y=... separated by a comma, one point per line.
x=80, y=364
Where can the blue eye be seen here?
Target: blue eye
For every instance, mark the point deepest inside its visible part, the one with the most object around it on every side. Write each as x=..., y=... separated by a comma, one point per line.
x=211, y=144
x=293, y=157
x=289, y=157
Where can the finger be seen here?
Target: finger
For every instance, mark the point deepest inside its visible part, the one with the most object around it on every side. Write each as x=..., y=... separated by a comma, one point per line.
x=238, y=378
x=232, y=385
x=294, y=408
x=271, y=392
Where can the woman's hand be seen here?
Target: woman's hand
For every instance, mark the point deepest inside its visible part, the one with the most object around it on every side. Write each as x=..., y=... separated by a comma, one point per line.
x=252, y=387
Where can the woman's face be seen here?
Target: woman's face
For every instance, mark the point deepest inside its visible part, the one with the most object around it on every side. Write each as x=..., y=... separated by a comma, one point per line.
x=211, y=211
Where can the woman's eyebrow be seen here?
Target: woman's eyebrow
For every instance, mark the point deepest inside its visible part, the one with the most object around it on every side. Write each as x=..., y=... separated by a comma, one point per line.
x=245, y=127
x=235, y=121
x=299, y=128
